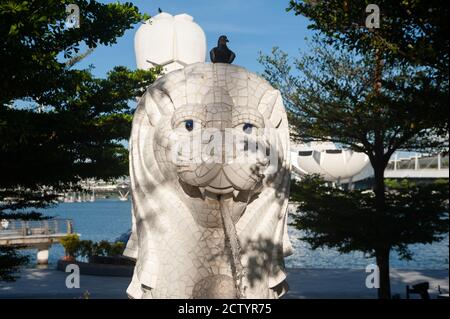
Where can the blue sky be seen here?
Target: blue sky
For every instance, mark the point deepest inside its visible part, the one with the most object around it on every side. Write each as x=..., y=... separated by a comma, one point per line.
x=251, y=26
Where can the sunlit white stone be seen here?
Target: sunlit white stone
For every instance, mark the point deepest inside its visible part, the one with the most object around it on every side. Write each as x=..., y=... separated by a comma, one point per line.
x=202, y=229
x=169, y=41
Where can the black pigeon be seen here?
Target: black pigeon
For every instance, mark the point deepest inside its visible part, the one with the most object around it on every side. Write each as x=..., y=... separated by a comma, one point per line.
x=221, y=53
x=159, y=10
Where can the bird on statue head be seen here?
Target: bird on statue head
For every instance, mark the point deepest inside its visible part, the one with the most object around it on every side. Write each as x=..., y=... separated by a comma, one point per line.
x=221, y=53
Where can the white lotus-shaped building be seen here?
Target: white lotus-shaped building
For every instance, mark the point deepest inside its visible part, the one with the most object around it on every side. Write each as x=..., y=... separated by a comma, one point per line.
x=327, y=160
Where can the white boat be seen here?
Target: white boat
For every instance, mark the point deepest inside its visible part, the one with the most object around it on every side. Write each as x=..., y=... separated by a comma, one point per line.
x=68, y=198
x=123, y=197
x=92, y=198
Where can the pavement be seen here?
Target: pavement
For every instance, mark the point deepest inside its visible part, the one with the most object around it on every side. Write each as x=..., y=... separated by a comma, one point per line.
x=351, y=283
x=304, y=284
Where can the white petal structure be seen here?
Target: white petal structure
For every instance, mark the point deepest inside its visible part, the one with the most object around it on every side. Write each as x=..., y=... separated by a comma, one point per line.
x=325, y=159
x=169, y=41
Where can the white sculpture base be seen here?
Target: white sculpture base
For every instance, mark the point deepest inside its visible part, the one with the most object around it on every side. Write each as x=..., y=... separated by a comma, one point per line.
x=42, y=254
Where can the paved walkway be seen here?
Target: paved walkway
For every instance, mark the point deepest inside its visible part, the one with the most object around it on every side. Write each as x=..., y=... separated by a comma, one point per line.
x=304, y=283
x=351, y=283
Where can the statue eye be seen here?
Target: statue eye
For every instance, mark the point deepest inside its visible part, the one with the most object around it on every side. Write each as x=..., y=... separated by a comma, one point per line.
x=247, y=128
x=189, y=125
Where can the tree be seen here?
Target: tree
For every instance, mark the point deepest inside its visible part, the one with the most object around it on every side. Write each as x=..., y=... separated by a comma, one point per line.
x=59, y=124
x=10, y=261
x=362, y=89
x=347, y=221
x=411, y=31
x=35, y=35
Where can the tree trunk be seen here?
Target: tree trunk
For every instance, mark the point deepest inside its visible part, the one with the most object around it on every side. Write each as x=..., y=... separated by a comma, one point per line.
x=382, y=257
x=381, y=253
x=379, y=163
x=379, y=186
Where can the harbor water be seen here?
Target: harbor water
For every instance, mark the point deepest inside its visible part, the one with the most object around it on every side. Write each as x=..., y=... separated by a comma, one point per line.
x=107, y=219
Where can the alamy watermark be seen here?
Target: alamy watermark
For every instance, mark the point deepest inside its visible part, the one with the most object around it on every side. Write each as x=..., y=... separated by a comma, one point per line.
x=373, y=19
x=373, y=279
x=73, y=279
x=228, y=146
x=73, y=16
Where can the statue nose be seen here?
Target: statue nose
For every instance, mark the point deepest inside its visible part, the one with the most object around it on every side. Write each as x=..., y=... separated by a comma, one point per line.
x=215, y=147
x=224, y=146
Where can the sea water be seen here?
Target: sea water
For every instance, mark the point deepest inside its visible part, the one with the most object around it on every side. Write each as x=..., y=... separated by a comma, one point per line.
x=107, y=219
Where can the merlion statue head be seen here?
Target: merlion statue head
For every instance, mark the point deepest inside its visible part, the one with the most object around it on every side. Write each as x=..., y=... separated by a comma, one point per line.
x=210, y=171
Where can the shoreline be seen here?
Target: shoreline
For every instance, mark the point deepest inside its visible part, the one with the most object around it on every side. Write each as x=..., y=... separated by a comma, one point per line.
x=304, y=283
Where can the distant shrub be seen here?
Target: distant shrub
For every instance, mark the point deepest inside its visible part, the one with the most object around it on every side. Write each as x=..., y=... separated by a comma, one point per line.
x=117, y=248
x=71, y=244
x=102, y=248
x=86, y=248
x=74, y=247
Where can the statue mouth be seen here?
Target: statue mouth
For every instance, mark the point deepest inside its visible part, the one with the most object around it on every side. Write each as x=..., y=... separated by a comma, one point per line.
x=206, y=203
x=219, y=184
x=209, y=193
x=212, y=194
x=214, y=187
x=214, y=191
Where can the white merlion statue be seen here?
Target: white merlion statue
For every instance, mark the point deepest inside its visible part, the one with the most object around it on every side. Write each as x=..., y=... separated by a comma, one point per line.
x=210, y=173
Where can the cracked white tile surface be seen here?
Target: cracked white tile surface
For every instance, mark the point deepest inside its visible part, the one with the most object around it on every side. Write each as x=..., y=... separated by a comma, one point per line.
x=182, y=244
